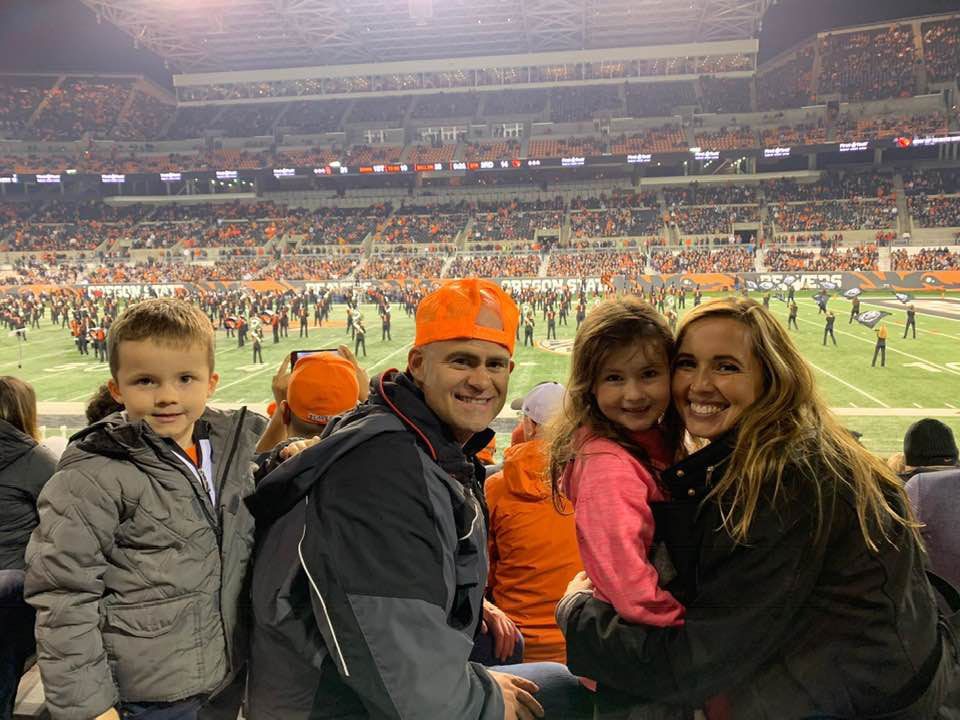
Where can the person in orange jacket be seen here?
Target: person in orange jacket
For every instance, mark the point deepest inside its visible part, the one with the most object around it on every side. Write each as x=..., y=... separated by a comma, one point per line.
x=533, y=547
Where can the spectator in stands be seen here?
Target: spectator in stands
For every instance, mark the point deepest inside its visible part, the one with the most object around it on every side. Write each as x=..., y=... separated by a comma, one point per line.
x=789, y=540
x=930, y=456
x=533, y=547
x=25, y=467
x=101, y=405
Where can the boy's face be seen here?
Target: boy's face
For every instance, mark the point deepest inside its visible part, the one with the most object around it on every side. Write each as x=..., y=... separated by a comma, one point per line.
x=166, y=385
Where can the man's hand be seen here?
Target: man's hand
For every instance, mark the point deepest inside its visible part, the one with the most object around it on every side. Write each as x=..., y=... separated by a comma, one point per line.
x=297, y=447
x=281, y=380
x=363, y=380
x=110, y=714
x=518, y=700
x=502, y=629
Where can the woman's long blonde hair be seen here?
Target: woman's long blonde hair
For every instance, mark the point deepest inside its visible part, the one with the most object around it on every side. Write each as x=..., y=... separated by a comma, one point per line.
x=18, y=405
x=791, y=424
x=611, y=326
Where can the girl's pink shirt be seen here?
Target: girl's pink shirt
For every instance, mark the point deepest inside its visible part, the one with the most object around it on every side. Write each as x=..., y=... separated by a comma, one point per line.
x=611, y=492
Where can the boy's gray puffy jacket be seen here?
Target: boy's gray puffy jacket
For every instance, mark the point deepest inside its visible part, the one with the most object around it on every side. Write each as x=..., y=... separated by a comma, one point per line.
x=135, y=576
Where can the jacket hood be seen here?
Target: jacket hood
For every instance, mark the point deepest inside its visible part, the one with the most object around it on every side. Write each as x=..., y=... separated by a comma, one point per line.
x=14, y=444
x=525, y=471
x=395, y=404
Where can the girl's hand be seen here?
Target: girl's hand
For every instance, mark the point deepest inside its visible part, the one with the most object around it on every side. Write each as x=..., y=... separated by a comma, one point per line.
x=297, y=447
x=580, y=584
x=363, y=380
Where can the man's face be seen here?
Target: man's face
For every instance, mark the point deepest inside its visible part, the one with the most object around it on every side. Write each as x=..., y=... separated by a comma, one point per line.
x=464, y=382
x=166, y=385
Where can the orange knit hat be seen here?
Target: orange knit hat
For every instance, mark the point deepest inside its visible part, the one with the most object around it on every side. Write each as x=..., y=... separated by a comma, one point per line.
x=451, y=313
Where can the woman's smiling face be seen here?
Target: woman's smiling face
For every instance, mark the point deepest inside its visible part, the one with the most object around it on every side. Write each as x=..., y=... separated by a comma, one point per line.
x=716, y=376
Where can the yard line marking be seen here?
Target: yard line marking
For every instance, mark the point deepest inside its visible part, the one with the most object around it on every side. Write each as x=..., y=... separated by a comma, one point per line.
x=917, y=405
x=852, y=387
x=852, y=405
x=243, y=379
x=31, y=358
x=954, y=407
x=889, y=349
x=387, y=357
x=81, y=396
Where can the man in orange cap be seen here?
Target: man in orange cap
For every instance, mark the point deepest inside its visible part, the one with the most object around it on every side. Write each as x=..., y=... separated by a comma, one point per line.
x=393, y=544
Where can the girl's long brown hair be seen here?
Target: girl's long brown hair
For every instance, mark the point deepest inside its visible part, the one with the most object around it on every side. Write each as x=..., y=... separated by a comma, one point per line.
x=18, y=405
x=609, y=327
x=790, y=424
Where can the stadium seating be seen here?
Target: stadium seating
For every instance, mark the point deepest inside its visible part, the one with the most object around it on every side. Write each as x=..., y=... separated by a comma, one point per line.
x=725, y=95
x=868, y=64
x=732, y=259
x=144, y=119
x=79, y=106
x=669, y=138
x=935, y=211
x=925, y=259
x=615, y=223
x=864, y=258
x=582, y=103
x=446, y=105
x=415, y=229
x=941, y=50
x=788, y=84
x=494, y=266
x=659, y=99
x=314, y=116
x=398, y=267
x=599, y=263
x=20, y=96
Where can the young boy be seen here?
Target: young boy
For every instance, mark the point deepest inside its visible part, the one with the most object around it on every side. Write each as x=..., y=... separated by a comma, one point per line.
x=137, y=566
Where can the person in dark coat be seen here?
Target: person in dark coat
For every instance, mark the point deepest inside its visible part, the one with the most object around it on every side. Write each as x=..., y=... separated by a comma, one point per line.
x=25, y=467
x=793, y=550
x=911, y=322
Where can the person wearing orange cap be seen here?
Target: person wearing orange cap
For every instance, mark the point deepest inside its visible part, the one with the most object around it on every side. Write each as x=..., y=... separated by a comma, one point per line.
x=392, y=551
x=320, y=387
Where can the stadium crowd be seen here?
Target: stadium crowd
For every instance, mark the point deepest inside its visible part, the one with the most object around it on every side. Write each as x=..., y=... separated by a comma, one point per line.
x=833, y=215
x=833, y=259
x=730, y=259
x=925, y=259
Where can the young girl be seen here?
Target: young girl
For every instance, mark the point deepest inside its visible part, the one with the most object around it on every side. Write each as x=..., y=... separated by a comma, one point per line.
x=609, y=446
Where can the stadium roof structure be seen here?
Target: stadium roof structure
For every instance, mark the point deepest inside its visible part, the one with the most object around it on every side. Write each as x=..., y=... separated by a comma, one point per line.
x=224, y=35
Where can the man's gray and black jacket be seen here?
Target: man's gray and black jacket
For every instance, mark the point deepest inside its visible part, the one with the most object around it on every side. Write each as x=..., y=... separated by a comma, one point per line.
x=370, y=571
x=138, y=579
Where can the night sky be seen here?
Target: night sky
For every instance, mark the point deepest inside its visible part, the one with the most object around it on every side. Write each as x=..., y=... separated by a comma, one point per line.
x=52, y=35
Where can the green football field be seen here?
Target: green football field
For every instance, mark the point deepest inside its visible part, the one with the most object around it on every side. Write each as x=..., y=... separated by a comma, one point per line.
x=922, y=377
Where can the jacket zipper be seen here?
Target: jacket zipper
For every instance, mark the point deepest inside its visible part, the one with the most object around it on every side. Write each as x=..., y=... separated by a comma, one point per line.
x=709, y=475
x=227, y=640
x=323, y=604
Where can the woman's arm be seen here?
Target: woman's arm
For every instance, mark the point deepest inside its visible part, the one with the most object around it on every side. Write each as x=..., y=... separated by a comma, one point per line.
x=746, y=604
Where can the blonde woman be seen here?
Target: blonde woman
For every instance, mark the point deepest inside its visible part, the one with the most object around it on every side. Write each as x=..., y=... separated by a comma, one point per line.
x=798, y=564
x=25, y=467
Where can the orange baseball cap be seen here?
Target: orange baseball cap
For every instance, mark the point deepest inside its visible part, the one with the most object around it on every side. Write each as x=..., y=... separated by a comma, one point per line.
x=451, y=313
x=321, y=387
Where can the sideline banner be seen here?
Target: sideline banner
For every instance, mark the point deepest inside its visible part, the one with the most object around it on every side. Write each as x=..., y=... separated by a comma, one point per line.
x=932, y=281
